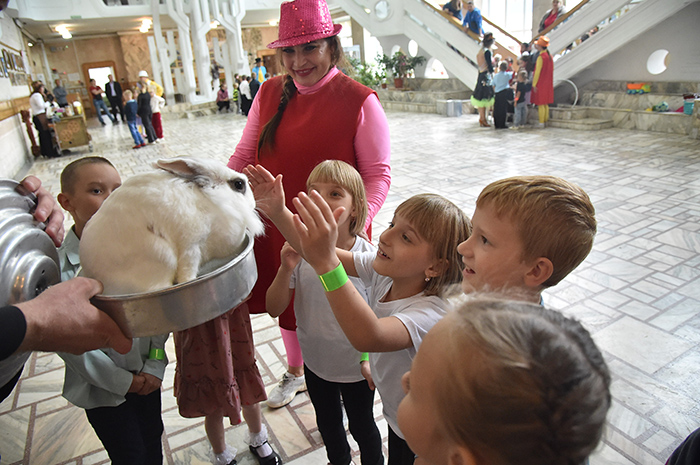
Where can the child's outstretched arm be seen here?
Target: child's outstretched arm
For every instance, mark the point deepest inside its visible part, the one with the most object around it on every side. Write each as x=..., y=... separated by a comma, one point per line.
x=279, y=294
x=269, y=198
x=317, y=229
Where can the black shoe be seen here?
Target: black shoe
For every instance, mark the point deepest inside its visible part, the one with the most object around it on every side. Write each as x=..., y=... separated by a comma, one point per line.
x=272, y=459
x=103, y=123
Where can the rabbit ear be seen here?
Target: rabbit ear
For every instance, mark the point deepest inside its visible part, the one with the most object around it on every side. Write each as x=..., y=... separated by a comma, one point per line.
x=189, y=169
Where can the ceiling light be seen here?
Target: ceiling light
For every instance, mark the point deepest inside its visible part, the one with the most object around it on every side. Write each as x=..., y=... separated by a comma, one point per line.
x=273, y=22
x=145, y=25
x=63, y=30
x=29, y=44
x=214, y=24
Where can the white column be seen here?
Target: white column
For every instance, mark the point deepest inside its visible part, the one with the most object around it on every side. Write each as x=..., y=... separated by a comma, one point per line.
x=232, y=12
x=160, y=53
x=177, y=12
x=201, y=24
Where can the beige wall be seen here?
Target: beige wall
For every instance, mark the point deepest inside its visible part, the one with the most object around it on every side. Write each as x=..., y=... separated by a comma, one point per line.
x=68, y=56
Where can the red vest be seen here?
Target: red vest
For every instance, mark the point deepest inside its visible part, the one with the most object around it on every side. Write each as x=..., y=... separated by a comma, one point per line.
x=313, y=128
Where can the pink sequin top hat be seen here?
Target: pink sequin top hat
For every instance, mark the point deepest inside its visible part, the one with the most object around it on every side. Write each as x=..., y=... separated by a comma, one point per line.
x=303, y=21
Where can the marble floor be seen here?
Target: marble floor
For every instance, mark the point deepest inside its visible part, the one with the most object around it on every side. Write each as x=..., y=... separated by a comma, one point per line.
x=638, y=292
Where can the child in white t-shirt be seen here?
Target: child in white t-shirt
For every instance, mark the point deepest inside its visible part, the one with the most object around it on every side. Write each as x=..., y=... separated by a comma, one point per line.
x=409, y=278
x=332, y=365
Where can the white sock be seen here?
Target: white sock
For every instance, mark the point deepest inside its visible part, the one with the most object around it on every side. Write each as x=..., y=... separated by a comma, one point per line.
x=259, y=442
x=226, y=456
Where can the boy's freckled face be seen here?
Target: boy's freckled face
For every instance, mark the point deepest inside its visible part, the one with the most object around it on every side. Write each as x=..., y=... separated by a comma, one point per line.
x=417, y=414
x=94, y=183
x=493, y=254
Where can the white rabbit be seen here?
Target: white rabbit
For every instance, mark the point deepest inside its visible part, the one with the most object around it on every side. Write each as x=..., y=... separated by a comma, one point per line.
x=158, y=228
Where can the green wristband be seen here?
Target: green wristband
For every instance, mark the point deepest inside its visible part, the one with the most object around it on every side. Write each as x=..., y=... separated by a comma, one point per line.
x=334, y=279
x=156, y=354
x=364, y=357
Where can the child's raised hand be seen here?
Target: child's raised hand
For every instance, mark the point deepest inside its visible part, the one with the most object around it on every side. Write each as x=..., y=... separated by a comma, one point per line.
x=267, y=189
x=317, y=227
x=289, y=257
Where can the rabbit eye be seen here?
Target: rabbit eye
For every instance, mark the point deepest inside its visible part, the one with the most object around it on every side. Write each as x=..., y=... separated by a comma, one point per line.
x=238, y=185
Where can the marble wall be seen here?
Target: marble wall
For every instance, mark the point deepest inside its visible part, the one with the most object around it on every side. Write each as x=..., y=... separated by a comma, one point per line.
x=14, y=152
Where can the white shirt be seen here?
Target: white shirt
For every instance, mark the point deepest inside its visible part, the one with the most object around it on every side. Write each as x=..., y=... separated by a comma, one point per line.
x=244, y=88
x=37, y=103
x=418, y=313
x=326, y=349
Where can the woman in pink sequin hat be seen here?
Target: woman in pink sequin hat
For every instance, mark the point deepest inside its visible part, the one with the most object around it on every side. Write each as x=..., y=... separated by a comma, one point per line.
x=312, y=113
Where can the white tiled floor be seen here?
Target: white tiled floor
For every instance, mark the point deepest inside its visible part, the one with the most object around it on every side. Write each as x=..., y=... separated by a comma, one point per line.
x=638, y=292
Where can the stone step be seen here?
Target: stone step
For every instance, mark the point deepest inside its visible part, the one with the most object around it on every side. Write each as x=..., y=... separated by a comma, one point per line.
x=409, y=106
x=412, y=96
x=584, y=124
x=640, y=102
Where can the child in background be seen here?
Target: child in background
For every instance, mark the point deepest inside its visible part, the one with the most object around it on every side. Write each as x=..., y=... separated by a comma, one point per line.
x=130, y=109
x=522, y=87
x=120, y=393
x=409, y=278
x=157, y=104
x=529, y=233
x=504, y=93
x=234, y=97
x=144, y=111
x=505, y=382
x=332, y=366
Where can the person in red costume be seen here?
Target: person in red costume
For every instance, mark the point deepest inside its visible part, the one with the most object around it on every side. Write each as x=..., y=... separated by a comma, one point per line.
x=312, y=113
x=543, y=81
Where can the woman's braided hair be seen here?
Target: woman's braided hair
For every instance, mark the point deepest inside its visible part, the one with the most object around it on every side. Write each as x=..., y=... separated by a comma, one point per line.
x=289, y=90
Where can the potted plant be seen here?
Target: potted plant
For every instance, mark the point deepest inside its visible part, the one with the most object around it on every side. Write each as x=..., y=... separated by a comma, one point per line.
x=364, y=73
x=402, y=65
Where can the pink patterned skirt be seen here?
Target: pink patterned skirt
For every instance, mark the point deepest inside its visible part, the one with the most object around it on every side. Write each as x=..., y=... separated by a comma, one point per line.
x=216, y=370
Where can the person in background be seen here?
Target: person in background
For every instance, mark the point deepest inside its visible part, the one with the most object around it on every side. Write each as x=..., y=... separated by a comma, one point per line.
x=144, y=111
x=60, y=93
x=246, y=97
x=96, y=92
x=259, y=72
x=254, y=87
x=552, y=15
x=38, y=105
x=145, y=81
x=543, y=81
x=454, y=7
x=501, y=83
x=131, y=109
x=472, y=20
x=522, y=87
x=482, y=98
x=157, y=104
x=222, y=101
x=114, y=94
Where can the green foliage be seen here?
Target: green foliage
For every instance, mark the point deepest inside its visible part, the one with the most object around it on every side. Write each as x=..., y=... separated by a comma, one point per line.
x=366, y=73
x=401, y=64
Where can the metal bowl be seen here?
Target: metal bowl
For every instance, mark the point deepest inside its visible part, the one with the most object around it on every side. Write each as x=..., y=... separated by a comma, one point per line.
x=28, y=258
x=184, y=305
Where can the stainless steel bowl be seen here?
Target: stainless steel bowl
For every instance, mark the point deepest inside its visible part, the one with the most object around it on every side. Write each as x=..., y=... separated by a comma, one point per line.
x=184, y=305
x=28, y=258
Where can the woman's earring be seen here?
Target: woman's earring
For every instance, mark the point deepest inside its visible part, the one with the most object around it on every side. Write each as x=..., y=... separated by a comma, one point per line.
x=427, y=279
